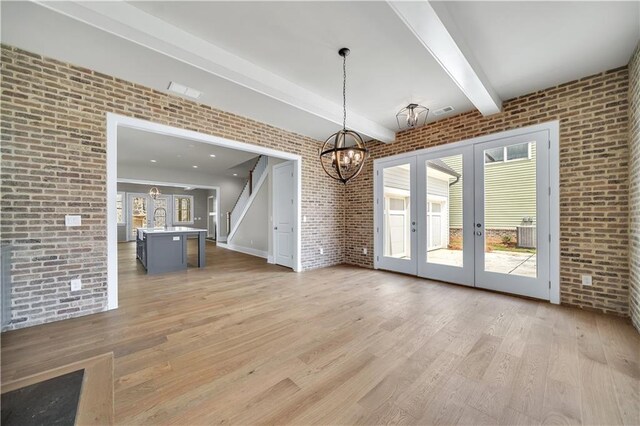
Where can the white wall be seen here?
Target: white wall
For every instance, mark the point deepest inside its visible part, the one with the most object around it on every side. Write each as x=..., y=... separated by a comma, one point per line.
x=257, y=224
x=253, y=230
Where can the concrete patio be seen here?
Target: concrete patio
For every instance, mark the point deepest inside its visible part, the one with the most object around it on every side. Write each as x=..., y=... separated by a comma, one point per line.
x=505, y=262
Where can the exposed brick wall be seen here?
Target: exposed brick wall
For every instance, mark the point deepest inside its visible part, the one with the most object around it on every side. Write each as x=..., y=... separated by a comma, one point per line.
x=53, y=117
x=594, y=179
x=53, y=122
x=634, y=187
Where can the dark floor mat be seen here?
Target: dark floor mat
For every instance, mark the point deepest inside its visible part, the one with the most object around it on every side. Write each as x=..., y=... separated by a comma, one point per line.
x=51, y=402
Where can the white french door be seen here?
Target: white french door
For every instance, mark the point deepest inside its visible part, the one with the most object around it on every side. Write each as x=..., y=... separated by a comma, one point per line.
x=476, y=214
x=506, y=262
x=138, y=213
x=445, y=184
x=395, y=182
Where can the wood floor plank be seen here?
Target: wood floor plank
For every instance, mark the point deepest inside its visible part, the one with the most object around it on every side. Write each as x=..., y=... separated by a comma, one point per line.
x=529, y=385
x=493, y=391
x=475, y=363
x=245, y=342
x=599, y=404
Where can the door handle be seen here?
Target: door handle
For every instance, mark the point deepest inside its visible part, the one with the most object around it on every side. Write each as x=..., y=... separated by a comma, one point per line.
x=479, y=225
x=413, y=229
x=478, y=233
x=275, y=228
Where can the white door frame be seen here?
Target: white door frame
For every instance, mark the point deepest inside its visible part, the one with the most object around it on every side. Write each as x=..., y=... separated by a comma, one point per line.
x=116, y=120
x=553, y=127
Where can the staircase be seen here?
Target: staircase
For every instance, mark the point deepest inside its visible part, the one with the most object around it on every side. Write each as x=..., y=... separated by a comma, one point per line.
x=257, y=176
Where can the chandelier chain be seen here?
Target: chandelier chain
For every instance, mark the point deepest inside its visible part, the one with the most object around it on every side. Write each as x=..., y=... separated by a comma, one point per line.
x=344, y=92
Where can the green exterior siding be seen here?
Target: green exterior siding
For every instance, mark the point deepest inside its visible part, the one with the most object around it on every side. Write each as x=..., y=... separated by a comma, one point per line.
x=510, y=189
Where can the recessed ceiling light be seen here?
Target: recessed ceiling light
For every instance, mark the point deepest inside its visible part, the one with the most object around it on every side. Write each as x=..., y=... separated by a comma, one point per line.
x=212, y=155
x=195, y=167
x=181, y=89
x=235, y=174
x=153, y=161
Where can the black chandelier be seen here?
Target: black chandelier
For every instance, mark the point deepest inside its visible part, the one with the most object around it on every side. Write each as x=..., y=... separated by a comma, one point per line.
x=412, y=116
x=342, y=155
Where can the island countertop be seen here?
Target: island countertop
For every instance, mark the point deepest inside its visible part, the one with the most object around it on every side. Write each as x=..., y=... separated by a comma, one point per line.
x=170, y=230
x=165, y=249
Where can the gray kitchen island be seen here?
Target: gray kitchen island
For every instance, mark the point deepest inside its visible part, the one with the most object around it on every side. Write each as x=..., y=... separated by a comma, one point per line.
x=163, y=250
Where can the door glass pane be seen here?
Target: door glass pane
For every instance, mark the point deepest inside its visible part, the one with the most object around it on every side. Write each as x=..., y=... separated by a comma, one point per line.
x=516, y=152
x=139, y=214
x=444, y=211
x=160, y=212
x=510, y=212
x=396, y=225
x=183, y=209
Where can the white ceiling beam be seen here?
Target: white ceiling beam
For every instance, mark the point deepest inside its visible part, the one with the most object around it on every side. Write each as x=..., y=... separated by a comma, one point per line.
x=135, y=25
x=428, y=27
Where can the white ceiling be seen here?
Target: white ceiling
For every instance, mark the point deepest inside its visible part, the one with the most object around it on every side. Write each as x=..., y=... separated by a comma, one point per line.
x=136, y=149
x=519, y=46
x=527, y=46
x=299, y=41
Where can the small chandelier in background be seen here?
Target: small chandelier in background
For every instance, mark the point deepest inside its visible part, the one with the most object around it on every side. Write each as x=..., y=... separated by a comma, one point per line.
x=412, y=116
x=343, y=154
x=154, y=192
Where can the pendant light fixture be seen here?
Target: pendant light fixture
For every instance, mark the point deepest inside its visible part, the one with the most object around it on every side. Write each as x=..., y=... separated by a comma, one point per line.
x=342, y=155
x=412, y=116
x=154, y=192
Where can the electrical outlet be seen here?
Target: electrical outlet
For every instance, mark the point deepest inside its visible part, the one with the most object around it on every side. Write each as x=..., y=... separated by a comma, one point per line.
x=586, y=280
x=321, y=250
x=76, y=284
x=364, y=250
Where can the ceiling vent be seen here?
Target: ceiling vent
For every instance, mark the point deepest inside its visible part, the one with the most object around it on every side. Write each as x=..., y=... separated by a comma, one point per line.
x=181, y=89
x=442, y=111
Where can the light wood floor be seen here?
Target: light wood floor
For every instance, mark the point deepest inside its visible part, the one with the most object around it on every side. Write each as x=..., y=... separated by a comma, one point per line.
x=243, y=342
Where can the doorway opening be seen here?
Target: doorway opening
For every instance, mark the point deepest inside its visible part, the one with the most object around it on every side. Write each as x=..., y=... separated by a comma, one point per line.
x=206, y=187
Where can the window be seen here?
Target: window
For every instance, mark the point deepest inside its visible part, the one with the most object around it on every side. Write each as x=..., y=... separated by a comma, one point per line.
x=396, y=204
x=494, y=155
x=183, y=209
x=501, y=154
x=120, y=207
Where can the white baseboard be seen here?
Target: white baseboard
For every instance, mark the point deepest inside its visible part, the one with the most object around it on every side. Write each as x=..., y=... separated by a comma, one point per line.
x=245, y=250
